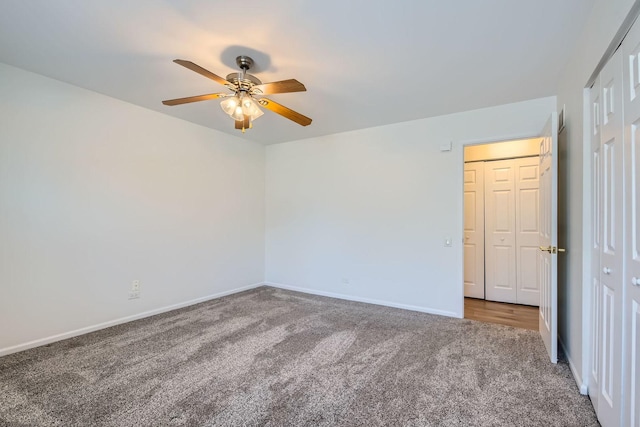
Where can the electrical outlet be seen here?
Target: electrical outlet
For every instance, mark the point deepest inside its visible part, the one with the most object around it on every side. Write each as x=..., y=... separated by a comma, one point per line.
x=134, y=294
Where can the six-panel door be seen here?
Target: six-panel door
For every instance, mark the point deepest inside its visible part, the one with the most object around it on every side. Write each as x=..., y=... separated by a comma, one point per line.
x=631, y=278
x=474, y=229
x=612, y=244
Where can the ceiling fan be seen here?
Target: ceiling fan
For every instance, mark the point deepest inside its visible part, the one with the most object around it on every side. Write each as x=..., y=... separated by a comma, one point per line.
x=243, y=105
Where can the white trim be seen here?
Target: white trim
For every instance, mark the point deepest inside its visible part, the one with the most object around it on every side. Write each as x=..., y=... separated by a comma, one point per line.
x=65, y=335
x=587, y=223
x=497, y=139
x=576, y=376
x=365, y=300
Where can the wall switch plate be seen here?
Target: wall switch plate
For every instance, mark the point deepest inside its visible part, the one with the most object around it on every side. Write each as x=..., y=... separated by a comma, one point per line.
x=135, y=285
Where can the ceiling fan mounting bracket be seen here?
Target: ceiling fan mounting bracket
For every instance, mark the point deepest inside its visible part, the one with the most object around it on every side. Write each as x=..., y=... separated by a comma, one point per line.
x=244, y=62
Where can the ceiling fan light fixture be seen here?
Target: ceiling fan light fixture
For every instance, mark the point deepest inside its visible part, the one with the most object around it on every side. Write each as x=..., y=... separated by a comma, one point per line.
x=250, y=108
x=237, y=113
x=239, y=107
x=256, y=114
x=229, y=104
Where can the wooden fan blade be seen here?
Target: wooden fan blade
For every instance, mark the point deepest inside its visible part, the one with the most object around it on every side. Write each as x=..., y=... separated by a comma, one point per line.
x=242, y=124
x=198, y=69
x=197, y=98
x=283, y=86
x=285, y=112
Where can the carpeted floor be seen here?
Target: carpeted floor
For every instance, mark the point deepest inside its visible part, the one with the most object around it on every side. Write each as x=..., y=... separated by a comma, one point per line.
x=279, y=358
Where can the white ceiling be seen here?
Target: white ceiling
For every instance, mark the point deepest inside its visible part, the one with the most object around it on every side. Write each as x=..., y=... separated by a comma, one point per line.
x=365, y=63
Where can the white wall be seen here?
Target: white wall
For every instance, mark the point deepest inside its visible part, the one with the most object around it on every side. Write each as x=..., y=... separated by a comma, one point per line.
x=374, y=206
x=95, y=192
x=604, y=22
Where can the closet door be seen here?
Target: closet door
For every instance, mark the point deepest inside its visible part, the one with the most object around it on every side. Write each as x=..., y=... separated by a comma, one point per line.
x=631, y=280
x=474, y=230
x=611, y=253
x=527, y=229
x=500, y=226
x=596, y=238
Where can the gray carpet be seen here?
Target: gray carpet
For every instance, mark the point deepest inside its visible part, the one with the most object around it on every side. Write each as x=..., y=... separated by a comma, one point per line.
x=278, y=358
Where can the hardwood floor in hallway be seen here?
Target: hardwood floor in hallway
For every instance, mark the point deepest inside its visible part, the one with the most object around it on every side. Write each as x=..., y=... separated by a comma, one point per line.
x=519, y=316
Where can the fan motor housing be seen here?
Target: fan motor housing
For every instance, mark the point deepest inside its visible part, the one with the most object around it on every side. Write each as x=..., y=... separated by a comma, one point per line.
x=249, y=79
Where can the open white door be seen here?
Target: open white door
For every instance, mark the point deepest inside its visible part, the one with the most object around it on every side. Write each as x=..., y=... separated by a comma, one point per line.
x=548, y=254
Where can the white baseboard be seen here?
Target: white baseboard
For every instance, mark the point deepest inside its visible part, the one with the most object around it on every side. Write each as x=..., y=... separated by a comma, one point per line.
x=92, y=328
x=581, y=384
x=365, y=300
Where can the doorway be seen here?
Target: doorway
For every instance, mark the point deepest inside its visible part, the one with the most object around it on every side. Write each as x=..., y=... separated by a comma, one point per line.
x=501, y=231
x=516, y=315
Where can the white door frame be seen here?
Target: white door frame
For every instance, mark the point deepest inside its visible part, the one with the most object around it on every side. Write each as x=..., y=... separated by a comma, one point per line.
x=460, y=161
x=587, y=224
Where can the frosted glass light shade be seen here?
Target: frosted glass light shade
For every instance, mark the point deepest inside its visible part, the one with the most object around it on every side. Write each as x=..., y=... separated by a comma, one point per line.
x=250, y=108
x=256, y=113
x=229, y=104
x=237, y=113
x=239, y=108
